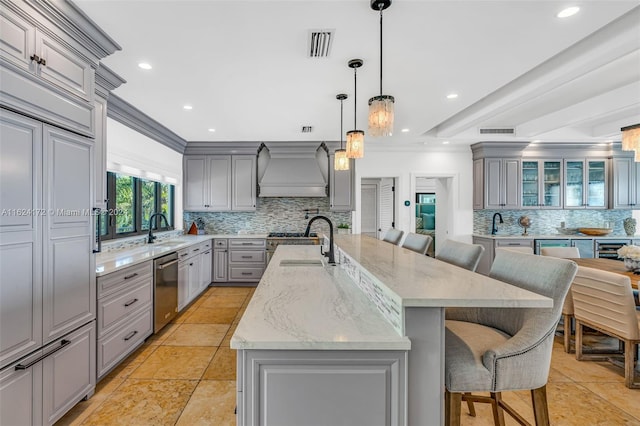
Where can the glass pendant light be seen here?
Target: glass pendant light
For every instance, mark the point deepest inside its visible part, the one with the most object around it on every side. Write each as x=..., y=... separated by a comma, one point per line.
x=381, y=106
x=355, y=138
x=631, y=140
x=341, y=161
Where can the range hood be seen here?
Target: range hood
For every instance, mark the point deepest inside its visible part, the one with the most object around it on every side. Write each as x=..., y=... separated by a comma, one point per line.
x=293, y=170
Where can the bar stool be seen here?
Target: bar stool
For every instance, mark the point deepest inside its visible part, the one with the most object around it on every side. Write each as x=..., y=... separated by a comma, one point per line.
x=417, y=242
x=460, y=254
x=393, y=236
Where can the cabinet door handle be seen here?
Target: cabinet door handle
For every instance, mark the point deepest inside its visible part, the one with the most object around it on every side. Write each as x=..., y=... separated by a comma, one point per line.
x=247, y=257
x=35, y=361
x=38, y=60
x=191, y=264
x=131, y=302
x=131, y=276
x=130, y=335
x=196, y=249
x=247, y=244
x=247, y=273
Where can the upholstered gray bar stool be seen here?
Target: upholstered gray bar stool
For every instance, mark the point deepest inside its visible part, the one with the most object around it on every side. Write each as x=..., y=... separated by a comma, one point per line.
x=567, y=307
x=460, y=254
x=495, y=350
x=393, y=236
x=417, y=242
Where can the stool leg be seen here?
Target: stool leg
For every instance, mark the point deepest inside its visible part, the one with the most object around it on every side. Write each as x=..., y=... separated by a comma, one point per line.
x=540, y=409
x=498, y=412
x=567, y=332
x=452, y=409
x=470, y=406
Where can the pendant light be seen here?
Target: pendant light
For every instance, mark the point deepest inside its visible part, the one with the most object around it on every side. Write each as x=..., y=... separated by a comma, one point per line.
x=341, y=161
x=381, y=106
x=631, y=140
x=355, y=138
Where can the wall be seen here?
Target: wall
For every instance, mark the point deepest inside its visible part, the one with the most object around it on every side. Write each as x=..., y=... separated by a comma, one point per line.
x=133, y=153
x=277, y=214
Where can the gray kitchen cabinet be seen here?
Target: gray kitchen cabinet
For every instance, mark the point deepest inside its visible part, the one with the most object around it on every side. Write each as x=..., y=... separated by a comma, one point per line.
x=220, y=182
x=478, y=184
x=206, y=264
x=220, y=260
x=189, y=279
x=100, y=169
x=125, y=314
x=183, y=284
x=43, y=386
x=243, y=182
x=43, y=72
x=626, y=183
x=541, y=184
x=341, y=186
x=586, y=183
x=502, y=183
x=247, y=259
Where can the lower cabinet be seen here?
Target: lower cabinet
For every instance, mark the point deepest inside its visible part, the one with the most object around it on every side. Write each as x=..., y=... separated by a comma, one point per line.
x=247, y=259
x=194, y=272
x=220, y=260
x=490, y=244
x=340, y=387
x=125, y=314
x=42, y=387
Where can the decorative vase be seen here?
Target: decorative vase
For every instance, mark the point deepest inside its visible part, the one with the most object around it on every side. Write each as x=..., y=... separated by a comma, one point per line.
x=631, y=264
x=629, y=226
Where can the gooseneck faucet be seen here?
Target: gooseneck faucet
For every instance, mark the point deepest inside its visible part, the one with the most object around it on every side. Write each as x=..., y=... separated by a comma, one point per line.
x=152, y=237
x=494, y=230
x=330, y=253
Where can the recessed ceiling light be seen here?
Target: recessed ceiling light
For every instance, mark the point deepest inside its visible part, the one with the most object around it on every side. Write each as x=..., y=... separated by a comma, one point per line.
x=452, y=95
x=404, y=130
x=187, y=107
x=212, y=130
x=145, y=66
x=445, y=142
x=570, y=11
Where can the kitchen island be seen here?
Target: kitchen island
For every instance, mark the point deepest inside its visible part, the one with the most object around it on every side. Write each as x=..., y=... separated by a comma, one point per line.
x=357, y=343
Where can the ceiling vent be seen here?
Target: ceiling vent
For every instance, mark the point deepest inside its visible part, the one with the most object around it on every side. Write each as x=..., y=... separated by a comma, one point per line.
x=307, y=129
x=498, y=131
x=319, y=43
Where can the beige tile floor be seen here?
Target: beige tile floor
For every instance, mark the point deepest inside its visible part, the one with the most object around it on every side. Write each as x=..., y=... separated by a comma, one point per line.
x=186, y=374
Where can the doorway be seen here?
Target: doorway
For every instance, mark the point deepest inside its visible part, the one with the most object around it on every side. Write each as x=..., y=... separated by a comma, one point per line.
x=377, y=206
x=434, y=200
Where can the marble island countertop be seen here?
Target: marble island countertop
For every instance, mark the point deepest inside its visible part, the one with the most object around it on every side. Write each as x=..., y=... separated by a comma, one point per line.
x=108, y=262
x=312, y=307
x=556, y=236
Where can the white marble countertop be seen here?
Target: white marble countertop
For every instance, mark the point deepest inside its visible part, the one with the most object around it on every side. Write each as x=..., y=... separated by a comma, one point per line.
x=108, y=262
x=312, y=307
x=424, y=281
x=499, y=236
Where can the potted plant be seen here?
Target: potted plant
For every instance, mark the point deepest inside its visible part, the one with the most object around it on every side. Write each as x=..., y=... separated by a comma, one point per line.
x=343, y=228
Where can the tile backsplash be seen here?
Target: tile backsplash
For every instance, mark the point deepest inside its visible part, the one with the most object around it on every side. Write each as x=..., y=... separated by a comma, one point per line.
x=138, y=240
x=545, y=222
x=273, y=214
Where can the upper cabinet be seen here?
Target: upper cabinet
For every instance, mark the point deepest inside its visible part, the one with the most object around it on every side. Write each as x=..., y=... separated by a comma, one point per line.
x=501, y=183
x=626, y=184
x=586, y=183
x=341, y=186
x=220, y=182
x=542, y=184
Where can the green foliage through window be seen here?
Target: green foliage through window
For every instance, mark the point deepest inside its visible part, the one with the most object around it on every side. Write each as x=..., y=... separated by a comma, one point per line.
x=131, y=203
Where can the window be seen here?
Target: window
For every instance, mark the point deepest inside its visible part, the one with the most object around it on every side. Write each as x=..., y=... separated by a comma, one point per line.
x=131, y=203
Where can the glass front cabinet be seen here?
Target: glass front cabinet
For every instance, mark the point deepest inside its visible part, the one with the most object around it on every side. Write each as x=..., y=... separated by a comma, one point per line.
x=542, y=184
x=585, y=183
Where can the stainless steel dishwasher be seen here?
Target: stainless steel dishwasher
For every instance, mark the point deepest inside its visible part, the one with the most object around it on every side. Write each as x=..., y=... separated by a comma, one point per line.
x=165, y=292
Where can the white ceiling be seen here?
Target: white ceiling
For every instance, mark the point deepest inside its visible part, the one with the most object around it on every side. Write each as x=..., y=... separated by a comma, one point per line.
x=243, y=66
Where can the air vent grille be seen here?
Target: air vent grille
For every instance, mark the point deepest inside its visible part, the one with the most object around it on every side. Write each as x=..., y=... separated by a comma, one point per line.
x=307, y=129
x=498, y=131
x=320, y=43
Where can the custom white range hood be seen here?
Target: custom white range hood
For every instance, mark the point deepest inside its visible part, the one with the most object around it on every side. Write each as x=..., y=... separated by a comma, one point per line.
x=293, y=170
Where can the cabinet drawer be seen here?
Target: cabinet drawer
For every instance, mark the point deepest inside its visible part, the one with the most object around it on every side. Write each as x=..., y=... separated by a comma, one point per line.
x=218, y=243
x=247, y=243
x=116, y=346
x=245, y=273
x=110, y=283
x=117, y=307
x=206, y=246
x=252, y=256
x=514, y=243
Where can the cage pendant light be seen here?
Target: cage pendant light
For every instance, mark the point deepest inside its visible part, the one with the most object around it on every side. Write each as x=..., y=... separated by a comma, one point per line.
x=381, y=106
x=341, y=161
x=355, y=138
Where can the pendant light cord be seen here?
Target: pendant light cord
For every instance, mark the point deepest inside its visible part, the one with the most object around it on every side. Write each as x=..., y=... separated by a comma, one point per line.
x=380, y=49
x=341, y=117
x=355, y=97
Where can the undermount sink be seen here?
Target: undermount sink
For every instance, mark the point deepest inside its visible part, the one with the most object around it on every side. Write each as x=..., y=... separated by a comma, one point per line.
x=301, y=262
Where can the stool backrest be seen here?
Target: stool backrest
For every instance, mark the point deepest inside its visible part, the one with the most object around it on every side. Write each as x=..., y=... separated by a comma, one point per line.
x=393, y=236
x=563, y=252
x=417, y=242
x=460, y=254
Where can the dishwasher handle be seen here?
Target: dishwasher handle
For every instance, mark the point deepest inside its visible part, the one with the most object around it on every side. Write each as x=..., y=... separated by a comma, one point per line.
x=166, y=265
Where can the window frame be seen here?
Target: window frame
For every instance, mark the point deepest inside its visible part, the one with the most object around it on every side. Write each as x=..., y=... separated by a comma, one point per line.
x=111, y=210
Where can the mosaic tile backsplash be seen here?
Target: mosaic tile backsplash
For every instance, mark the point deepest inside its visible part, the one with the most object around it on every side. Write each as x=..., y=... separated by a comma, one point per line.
x=545, y=222
x=138, y=240
x=277, y=214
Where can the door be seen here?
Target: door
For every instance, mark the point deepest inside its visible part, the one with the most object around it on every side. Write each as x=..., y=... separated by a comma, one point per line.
x=386, y=210
x=341, y=186
x=206, y=263
x=20, y=236
x=21, y=393
x=219, y=181
x=69, y=281
x=369, y=208
x=552, y=184
x=196, y=191
x=244, y=182
x=220, y=265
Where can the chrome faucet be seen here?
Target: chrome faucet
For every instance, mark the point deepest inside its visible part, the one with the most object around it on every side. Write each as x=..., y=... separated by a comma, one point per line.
x=329, y=254
x=494, y=230
x=152, y=237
